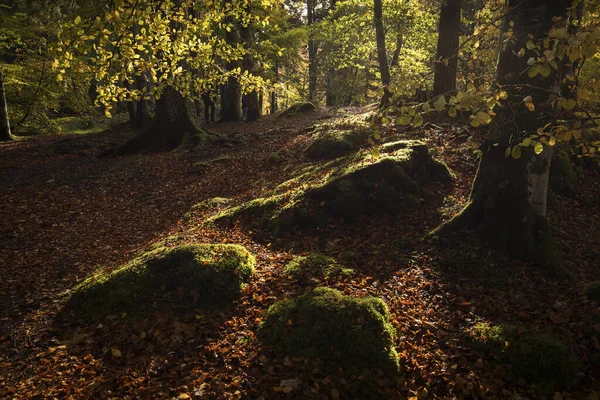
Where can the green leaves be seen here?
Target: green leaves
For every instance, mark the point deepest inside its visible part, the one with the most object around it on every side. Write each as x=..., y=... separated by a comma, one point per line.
x=440, y=103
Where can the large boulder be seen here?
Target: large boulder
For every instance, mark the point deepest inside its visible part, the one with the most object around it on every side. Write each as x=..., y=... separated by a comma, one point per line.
x=337, y=140
x=298, y=108
x=353, y=333
x=360, y=187
x=192, y=275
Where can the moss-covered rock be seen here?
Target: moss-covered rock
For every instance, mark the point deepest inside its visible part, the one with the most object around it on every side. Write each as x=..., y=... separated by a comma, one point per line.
x=543, y=360
x=298, y=108
x=349, y=190
x=354, y=333
x=592, y=291
x=193, y=275
x=315, y=266
x=536, y=358
x=335, y=141
x=277, y=157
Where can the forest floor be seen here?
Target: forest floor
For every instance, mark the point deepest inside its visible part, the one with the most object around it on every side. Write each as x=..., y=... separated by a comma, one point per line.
x=64, y=212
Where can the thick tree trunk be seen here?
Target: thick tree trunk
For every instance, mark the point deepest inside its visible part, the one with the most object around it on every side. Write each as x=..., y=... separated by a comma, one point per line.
x=230, y=101
x=143, y=115
x=508, y=198
x=174, y=124
x=446, y=58
x=252, y=101
x=313, y=47
x=384, y=69
x=231, y=92
x=5, y=134
x=274, y=93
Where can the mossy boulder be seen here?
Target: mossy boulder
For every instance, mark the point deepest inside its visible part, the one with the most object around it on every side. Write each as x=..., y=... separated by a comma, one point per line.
x=315, y=266
x=191, y=275
x=362, y=187
x=336, y=141
x=277, y=157
x=298, y=108
x=592, y=291
x=353, y=333
x=535, y=358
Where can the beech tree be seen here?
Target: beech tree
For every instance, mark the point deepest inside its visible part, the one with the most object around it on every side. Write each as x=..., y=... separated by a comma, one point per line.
x=508, y=200
x=446, y=59
x=178, y=51
x=384, y=68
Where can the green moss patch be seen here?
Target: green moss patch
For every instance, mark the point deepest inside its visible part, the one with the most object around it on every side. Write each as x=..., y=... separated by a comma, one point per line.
x=277, y=157
x=189, y=275
x=347, y=188
x=335, y=141
x=315, y=266
x=535, y=358
x=563, y=178
x=354, y=333
x=298, y=108
x=592, y=291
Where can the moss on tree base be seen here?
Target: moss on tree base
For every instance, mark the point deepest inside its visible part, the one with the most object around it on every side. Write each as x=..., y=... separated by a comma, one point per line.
x=354, y=333
x=190, y=275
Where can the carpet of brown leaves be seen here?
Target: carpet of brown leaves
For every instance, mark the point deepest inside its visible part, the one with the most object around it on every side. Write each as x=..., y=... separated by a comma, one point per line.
x=65, y=212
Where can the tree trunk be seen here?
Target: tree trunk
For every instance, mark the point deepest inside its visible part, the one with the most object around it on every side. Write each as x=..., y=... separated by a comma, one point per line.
x=5, y=134
x=174, y=124
x=231, y=92
x=143, y=116
x=446, y=58
x=508, y=199
x=252, y=103
x=312, y=53
x=396, y=56
x=384, y=69
x=330, y=90
x=274, y=93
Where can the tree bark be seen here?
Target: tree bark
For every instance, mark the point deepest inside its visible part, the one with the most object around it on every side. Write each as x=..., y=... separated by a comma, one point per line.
x=446, y=58
x=313, y=47
x=384, y=69
x=174, y=124
x=143, y=116
x=274, y=93
x=396, y=56
x=231, y=92
x=508, y=199
x=329, y=92
x=252, y=101
x=5, y=134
